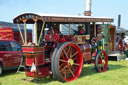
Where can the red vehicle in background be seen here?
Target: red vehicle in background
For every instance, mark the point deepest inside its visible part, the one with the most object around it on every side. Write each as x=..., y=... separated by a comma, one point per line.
x=10, y=55
x=10, y=31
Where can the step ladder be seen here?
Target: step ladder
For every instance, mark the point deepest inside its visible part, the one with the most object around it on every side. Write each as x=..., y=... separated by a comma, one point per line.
x=22, y=65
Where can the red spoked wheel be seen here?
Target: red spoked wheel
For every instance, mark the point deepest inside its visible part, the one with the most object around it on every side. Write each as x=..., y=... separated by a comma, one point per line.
x=67, y=62
x=101, y=61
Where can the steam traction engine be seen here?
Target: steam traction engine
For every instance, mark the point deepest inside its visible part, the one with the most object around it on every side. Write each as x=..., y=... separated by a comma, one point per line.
x=53, y=53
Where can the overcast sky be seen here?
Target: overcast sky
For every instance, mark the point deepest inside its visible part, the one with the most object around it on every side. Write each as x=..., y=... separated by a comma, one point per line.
x=108, y=8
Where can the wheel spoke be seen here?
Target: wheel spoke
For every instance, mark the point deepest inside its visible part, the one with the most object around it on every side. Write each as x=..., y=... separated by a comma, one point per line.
x=63, y=60
x=65, y=73
x=62, y=54
x=72, y=72
x=100, y=67
x=103, y=68
x=60, y=66
x=76, y=64
x=65, y=54
x=63, y=69
x=100, y=56
x=74, y=58
x=73, y=68
x=74, y=54
x=69, y=49
x=70, y=52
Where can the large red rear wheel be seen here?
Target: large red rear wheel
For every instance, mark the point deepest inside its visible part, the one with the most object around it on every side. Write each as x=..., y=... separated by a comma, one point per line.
x=101, y=61
x=67, y=62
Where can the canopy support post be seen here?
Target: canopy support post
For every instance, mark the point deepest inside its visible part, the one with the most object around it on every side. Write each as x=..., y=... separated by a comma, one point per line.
x=94, y=29
x=25, y=31
x=88, y=27
x=36, y=33
x=20, y=33
x=41, y=32
x=103, y=39
x=69, y=29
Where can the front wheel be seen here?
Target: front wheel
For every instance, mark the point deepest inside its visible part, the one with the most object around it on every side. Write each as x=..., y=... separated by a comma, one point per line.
x=101, y=61
x=67, y=62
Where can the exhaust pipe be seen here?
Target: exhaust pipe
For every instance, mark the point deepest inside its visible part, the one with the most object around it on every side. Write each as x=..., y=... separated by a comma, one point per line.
x=87, y=11
x=119, y=21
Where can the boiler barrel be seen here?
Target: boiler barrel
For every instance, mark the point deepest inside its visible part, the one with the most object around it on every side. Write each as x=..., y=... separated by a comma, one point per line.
x=86, y=51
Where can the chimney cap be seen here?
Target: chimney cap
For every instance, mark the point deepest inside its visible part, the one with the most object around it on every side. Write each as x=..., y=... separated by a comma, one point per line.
x=87, y=13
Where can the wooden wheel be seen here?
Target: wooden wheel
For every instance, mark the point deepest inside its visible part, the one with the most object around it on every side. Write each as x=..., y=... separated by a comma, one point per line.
x=67, y=62
x=101, y=61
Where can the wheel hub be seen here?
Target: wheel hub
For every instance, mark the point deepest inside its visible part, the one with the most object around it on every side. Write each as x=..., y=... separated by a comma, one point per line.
x=70, y=62
x=103, y=61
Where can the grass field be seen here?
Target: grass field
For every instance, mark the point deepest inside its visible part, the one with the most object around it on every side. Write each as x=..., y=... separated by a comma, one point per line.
x=117, y=74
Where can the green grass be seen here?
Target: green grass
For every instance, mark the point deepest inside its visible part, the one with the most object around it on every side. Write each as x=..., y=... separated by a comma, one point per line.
x=117, y=74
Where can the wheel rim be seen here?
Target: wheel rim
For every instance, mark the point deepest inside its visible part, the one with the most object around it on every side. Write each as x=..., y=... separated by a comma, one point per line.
x=102, y=62
x=70, y=62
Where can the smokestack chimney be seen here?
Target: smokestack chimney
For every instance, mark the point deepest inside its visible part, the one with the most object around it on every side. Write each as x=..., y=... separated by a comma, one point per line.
x=119, y=21
x=87, y=11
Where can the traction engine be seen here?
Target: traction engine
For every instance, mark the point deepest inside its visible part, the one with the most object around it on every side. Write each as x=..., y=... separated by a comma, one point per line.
x=58, y=55
x=62, y=56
